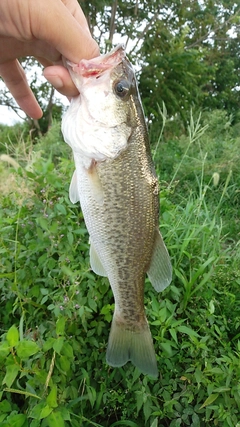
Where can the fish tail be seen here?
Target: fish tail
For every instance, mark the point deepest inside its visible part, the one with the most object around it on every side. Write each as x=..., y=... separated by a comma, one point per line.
x=131, y=343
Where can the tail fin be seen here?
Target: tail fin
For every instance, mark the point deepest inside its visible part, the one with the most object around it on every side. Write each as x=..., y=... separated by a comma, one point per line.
x=135, y=345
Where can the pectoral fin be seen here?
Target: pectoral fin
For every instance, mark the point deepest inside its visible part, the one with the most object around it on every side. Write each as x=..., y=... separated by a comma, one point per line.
x=160, y=270
x=96, y=186
x=73, y=189
x=95, y=262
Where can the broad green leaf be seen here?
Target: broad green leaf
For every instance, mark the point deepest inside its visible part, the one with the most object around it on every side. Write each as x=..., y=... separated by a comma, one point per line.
x=91, y=395
x=209, y=400
x=17, y=420
x=42, y=259
x=5, y=406
x=186, y=330
x=13, y=336
x=37, y=409
x=65, y=363
x=195, y=420
x=34, y=423
x=174, y=335
x=68, y=351
x=2, y=417
x=48, y=344
x=25, y=349
x=11, y=374
x=167, y=347
x=139, y=397
x=57, y=346
x=52, y=397
x=61, y=209
x=39, y=233
x=70, y=238
x=43, y=223
x=92, y=304
x=222, y=389
x=211, y=307
x=45, y=412
x=147, y=409
x=4, y=349
x=65, y=413
x=60, y=326
x=155, y=423
x=66, y=270
x=215, y=370
x=163, y=313
x=55, y=419
x=5, y=275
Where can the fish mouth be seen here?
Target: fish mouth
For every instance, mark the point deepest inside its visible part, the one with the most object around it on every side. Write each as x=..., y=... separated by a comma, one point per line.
x=97, y=66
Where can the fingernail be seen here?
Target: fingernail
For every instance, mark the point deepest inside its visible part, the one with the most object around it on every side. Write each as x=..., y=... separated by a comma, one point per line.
x=55, y=81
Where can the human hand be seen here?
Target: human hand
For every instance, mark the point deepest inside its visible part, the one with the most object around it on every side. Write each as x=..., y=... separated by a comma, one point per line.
x=45, y=29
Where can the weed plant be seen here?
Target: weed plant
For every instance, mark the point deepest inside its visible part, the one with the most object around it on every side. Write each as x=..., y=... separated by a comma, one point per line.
x=55, y=313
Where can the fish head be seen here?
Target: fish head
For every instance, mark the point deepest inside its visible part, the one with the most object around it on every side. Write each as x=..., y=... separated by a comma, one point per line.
x=100, y=120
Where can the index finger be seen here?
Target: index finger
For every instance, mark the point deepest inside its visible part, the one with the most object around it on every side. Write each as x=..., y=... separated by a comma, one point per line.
x=63, y=25
x=15, y=79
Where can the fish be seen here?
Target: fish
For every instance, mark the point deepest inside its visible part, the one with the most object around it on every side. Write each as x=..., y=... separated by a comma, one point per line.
x=118, y=190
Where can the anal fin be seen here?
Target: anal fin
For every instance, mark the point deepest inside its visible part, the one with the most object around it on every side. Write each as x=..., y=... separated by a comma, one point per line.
x=160, y=270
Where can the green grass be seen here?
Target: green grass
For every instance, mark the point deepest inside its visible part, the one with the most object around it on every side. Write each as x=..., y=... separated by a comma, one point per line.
x=55, y=314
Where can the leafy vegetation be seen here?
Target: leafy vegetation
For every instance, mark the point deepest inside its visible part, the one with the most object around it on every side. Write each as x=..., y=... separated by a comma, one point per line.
x=56, y=313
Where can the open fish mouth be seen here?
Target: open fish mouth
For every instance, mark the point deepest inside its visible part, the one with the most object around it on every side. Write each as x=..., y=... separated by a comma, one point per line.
x=97, y=66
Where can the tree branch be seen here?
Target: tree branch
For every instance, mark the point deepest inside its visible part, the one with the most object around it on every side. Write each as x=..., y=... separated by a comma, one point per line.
x=112, y=21
x=214, y=30
x=145, y=30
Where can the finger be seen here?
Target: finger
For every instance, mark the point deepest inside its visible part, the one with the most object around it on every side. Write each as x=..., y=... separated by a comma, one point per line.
x=75, y=9
x=77, y=42
x=60, y=78
x=11, y=49
x=15, y=79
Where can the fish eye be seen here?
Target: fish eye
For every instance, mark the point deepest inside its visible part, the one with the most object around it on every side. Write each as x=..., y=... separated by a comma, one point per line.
x=121, y=88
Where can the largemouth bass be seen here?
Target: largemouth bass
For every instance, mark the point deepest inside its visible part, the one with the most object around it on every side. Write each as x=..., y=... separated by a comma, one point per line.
x=118, y=190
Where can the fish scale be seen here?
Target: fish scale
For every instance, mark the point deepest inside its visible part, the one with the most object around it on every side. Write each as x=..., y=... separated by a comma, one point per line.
x=118, y=190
